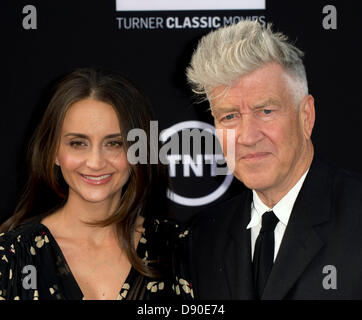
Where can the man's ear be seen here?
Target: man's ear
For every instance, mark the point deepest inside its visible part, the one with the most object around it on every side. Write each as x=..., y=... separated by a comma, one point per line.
x=307, y=112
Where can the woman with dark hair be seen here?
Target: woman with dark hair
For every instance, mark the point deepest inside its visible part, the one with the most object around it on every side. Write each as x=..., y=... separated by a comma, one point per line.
x=91, y=225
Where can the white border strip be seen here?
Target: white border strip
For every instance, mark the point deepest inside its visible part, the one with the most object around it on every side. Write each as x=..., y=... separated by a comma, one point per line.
x=167, y=5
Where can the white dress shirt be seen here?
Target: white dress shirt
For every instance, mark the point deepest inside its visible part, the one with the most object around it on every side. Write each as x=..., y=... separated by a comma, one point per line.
x=282, y=210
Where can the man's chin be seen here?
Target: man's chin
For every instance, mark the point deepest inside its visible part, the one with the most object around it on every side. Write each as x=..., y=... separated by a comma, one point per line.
x=253, y=181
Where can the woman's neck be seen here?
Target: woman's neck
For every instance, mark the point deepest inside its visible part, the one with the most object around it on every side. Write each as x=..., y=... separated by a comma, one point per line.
x=72, y=220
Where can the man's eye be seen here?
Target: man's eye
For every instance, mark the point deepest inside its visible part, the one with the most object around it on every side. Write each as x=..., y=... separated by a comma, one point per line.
x=229, y=116
x=265, y=114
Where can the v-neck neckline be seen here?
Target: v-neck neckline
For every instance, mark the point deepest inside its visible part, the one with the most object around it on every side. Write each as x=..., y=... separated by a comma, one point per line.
x=75, y=292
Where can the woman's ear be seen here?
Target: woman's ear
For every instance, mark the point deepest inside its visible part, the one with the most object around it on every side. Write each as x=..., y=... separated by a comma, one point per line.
x=57, y=161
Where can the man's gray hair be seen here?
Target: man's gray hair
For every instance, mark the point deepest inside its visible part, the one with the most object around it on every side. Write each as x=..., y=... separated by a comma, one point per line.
x=226, y=54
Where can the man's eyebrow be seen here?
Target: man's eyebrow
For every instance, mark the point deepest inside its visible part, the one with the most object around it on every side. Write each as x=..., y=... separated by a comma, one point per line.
x=226, y=109
x=84, y=136
x=219, y=110
x=267, y=102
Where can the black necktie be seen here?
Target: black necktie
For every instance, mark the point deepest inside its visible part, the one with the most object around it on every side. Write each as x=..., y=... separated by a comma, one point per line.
x=264, y=251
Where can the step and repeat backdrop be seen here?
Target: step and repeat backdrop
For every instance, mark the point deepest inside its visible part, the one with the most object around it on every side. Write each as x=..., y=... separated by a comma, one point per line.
x=151, y=42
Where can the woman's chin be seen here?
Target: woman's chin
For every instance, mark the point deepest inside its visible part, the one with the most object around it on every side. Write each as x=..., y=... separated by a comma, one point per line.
x=96, y=198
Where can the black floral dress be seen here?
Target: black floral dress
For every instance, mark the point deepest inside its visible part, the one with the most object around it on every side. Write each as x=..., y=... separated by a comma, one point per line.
x=32, y=265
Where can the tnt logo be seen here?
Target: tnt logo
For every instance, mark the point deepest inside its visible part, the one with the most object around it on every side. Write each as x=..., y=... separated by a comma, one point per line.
x=196, y=160
x=189, y=148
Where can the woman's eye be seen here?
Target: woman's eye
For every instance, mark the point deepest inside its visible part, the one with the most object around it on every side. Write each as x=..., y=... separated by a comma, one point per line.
x=114, y=144
x=77, y=144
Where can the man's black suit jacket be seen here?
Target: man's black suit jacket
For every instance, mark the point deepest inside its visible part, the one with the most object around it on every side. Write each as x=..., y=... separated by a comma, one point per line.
x=320, y=256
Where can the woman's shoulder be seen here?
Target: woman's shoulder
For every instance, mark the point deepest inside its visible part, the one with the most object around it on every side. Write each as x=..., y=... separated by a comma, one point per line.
x=23, y=232
x=22, y=250
x=164, y=240
x=170, y=229
x=25, y=240
x=164, y=236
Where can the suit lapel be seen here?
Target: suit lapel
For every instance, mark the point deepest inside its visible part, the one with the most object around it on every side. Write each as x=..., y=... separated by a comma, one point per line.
x=301, y=242
x=298, y=248
x=237, y=252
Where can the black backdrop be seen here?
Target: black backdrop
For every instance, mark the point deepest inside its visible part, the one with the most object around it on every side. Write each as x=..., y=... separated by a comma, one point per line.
x=80, y=33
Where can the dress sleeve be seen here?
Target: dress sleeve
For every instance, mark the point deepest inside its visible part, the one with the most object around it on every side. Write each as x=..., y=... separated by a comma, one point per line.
x=8, y=268
x=17, y=274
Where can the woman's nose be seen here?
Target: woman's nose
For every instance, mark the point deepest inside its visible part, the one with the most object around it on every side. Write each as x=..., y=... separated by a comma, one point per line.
x=96, y=159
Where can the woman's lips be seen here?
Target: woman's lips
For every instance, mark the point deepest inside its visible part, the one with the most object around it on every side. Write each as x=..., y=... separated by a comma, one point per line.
x=96, y=180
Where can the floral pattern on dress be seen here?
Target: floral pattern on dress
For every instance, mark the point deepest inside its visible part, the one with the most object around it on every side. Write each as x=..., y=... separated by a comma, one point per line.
x=33, y=244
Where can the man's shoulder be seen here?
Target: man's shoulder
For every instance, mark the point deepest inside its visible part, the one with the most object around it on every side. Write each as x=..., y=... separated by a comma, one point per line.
x=344, y=185
x=347, y=186
x=341, y=177
x=350, y=178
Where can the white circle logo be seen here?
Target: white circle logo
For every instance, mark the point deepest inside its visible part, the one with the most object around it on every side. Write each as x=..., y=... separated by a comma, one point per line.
x=187, y=201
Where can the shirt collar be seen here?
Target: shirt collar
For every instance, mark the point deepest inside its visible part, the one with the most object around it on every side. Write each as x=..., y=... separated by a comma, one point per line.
x=282, y=209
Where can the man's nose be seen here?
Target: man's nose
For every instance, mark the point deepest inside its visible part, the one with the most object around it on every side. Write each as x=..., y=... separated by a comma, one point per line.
x=249, y=132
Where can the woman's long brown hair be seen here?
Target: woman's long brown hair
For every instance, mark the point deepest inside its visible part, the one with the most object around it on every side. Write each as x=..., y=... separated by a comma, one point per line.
x=46, y=191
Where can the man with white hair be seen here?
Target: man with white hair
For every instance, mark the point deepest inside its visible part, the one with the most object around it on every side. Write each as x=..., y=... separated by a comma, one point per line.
x=296, y=232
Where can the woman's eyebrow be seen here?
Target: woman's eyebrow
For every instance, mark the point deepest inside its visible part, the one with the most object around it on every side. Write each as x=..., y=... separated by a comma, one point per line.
x=79, y=135
x=113, y=135
x=84, y=136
